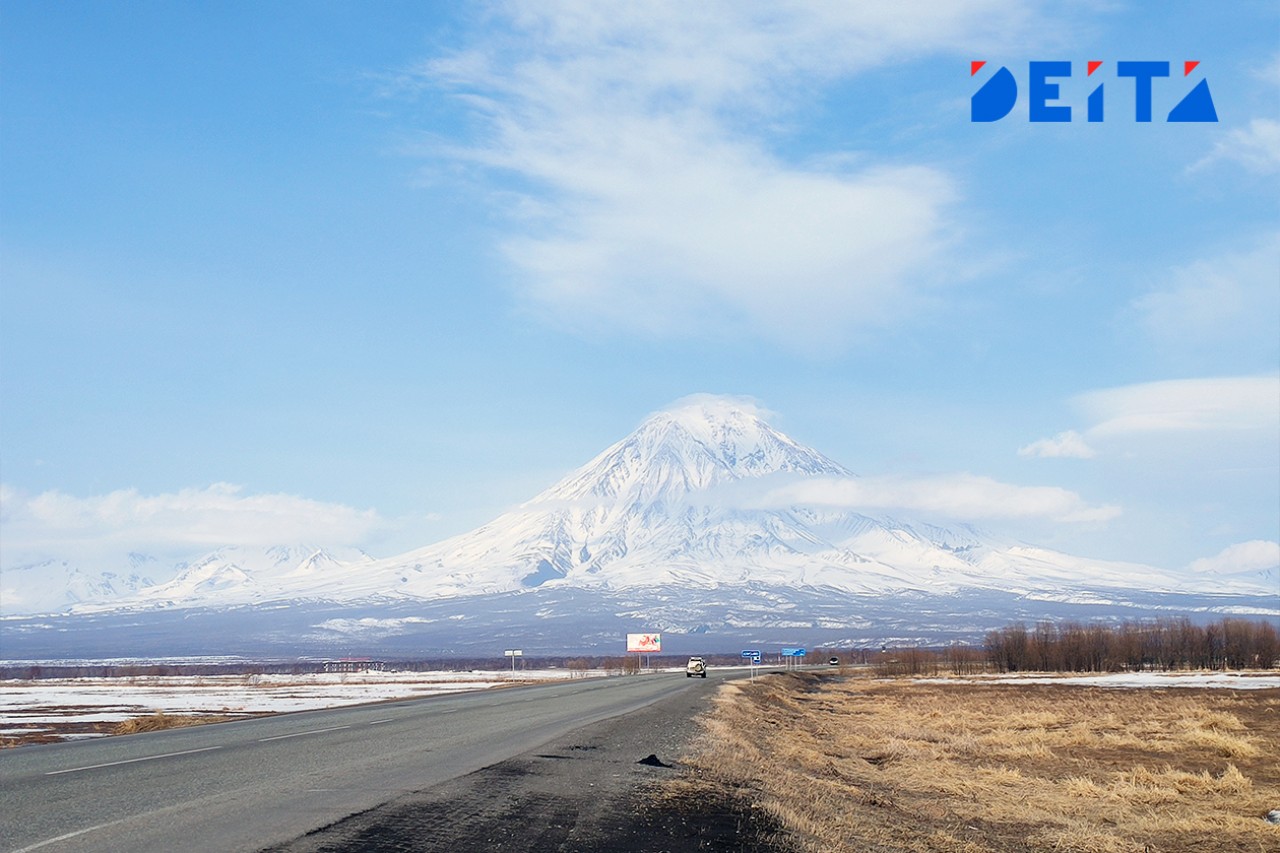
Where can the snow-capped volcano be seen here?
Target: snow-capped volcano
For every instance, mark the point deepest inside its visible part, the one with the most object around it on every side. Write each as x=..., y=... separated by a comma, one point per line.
x=665, y=507
x=698, y=443
x=664, y=529
x=638, y=513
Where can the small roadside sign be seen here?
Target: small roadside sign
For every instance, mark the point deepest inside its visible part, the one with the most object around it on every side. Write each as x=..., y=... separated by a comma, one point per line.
x=751, y=653
x=513, y=654
x=793, y=656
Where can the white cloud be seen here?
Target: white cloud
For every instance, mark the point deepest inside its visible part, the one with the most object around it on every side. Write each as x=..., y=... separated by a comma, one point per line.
x=1255, y=146
x=1185, y=405
x=176, y=522
x=1230, y=302
x=651, y=199
x=1064, y=445
x=1269, y=72
x=959, y=496
x=1253, y=556
x=727, y=404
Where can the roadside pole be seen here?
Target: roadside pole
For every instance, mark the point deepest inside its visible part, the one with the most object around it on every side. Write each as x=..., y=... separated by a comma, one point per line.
x=513, y=654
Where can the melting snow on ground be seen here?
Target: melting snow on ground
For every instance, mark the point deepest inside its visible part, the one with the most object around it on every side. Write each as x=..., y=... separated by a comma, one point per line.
x=28, y=705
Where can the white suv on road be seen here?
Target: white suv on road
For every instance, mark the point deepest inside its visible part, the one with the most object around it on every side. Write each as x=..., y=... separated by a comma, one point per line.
x=695, y=666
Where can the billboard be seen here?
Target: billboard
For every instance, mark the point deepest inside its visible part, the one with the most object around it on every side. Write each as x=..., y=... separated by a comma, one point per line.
x=649, y=643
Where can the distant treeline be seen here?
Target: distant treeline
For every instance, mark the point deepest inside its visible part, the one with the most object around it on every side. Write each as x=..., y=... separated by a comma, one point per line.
x=1163, y=644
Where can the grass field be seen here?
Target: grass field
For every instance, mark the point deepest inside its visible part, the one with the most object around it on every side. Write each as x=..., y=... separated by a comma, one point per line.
x=856, y=764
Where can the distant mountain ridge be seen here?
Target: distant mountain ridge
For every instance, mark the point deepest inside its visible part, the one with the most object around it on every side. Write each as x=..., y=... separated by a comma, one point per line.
x=655, y=524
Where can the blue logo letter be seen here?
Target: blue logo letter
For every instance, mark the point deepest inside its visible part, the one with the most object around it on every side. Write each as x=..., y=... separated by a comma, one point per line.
x=1196, y=106
x=995, y=99
x=1142, y=72
x=1042, y=92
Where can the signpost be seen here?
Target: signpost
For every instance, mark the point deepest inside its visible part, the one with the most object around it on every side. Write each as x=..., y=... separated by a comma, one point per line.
x=793, y=654
x=753, y=656
x=513, y=654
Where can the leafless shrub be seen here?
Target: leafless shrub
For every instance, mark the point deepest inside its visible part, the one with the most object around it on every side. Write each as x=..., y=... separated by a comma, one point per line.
x=160, y=720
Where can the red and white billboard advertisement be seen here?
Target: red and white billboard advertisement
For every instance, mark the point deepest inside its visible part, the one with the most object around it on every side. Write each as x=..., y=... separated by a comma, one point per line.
x=644, y=643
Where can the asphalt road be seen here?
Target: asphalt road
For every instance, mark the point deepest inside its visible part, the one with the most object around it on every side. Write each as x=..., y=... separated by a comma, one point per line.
x=254, y=783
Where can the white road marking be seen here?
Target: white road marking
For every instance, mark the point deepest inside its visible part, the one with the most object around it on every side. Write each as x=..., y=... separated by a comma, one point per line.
x=46, y=843
x=132, y=761
x=300, y=734
x=379, y=722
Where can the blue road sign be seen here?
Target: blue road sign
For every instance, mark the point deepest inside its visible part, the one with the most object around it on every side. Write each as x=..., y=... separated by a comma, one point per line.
x=794, y=653
x=751, y=653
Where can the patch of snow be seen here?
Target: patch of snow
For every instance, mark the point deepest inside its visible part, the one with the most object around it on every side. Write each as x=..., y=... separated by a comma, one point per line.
x=107, y=700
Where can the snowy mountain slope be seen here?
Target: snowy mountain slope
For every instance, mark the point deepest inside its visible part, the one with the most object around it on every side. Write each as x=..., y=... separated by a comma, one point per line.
x=53, y=585
x=666, y=508
x=236, y=575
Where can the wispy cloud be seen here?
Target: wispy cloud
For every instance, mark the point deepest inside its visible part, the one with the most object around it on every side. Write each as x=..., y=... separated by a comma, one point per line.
x=1256, y=147
x=653, y=197
x=1253, y=556
x=1185, y=405
x=176, y=522
x=956, y=496
x=1228, y=302
x=1248, y=405
x=1064, y=445
x=1269, y=71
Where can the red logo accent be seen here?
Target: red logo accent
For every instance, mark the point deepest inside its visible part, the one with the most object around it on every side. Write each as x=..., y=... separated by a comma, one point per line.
x=1189, y=66
x=1093, y=66
x=975, y=66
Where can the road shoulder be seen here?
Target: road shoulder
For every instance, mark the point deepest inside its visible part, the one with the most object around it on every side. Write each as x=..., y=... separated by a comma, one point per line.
x=614, y=785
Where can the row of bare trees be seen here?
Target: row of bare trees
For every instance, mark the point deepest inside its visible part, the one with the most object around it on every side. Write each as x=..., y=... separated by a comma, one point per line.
x=1162, y=644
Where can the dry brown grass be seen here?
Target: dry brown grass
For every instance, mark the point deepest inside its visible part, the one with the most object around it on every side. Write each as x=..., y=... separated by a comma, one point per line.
x=861, y=765
x=160, y=720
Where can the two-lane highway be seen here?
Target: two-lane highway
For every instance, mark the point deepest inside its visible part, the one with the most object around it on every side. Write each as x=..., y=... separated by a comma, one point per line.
x=248, y=784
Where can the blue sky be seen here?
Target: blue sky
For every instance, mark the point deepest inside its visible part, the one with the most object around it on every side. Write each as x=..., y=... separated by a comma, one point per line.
x=377, y=272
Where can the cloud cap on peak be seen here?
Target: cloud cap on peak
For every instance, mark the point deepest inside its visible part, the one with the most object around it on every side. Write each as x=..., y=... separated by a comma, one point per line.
x=710, y=406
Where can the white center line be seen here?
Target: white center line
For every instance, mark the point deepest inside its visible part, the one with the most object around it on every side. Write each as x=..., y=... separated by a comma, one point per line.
x=377, y=722
x=300, y=734
x=133, y=760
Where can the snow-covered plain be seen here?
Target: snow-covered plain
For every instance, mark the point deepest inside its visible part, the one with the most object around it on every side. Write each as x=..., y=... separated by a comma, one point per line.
x=47, y=705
